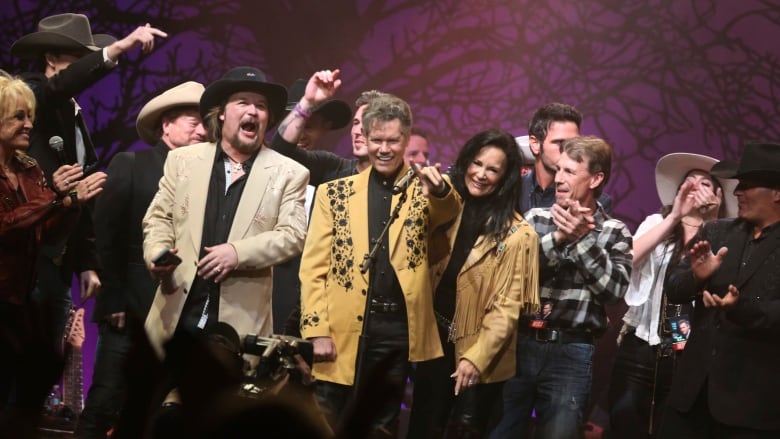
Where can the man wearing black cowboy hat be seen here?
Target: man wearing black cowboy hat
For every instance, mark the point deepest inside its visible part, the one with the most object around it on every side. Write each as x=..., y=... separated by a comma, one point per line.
x=308, y=127
x=331, y=115
x=73, y=59
x=324, y=165
x=230, y=208
x=726, y=383
x=312, y=97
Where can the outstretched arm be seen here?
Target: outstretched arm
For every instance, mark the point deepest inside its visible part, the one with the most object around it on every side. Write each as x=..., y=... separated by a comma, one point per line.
x=142, y=36
x=321, y=86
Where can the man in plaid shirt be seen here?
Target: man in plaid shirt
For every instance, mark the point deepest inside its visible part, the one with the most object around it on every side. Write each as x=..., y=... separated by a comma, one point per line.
x=585, y=263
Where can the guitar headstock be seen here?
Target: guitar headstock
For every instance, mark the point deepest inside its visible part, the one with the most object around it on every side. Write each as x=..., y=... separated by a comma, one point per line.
x=76, y=333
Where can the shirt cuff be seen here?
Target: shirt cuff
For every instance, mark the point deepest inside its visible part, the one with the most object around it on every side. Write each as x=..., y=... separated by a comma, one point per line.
x=107, y=61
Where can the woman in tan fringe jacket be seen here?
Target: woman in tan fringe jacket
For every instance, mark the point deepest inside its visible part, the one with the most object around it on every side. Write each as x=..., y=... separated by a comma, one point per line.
x=487, y=275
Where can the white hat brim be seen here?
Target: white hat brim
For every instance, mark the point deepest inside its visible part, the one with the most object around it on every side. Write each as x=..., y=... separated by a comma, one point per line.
x=187, y=94
x=672, y=168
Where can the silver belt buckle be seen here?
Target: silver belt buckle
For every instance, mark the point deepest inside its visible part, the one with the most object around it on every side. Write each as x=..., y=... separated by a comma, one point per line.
x=552, y=335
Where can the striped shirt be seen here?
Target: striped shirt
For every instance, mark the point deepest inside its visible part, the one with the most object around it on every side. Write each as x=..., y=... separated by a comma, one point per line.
x=579, y=278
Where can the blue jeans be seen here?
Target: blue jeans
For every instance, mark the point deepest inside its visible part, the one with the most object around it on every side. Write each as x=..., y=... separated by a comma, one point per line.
x=554, y=379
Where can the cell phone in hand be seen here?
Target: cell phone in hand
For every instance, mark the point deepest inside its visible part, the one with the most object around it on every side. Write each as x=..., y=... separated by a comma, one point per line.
x=166, y=258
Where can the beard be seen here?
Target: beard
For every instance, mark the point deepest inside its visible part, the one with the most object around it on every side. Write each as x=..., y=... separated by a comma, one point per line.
x=246, y=147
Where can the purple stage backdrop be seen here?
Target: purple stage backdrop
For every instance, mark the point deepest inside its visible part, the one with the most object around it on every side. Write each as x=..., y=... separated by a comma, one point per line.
x=652, y=77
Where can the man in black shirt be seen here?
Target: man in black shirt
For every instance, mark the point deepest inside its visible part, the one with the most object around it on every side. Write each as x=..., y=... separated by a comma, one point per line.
x=313, y=101
x=347, y=221
x=725, y=384
x=230, y=208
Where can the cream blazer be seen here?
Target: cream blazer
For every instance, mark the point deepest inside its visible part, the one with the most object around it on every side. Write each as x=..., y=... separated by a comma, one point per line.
x=269, y=228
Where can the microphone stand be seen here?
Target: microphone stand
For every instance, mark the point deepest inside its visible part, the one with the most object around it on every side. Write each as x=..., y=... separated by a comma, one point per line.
x=369, y=259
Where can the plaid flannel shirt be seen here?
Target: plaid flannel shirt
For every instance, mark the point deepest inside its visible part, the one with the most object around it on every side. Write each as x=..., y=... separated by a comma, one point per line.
x=580, y=277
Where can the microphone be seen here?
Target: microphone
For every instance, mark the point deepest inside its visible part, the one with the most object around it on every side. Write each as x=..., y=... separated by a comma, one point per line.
x=403, y=183
x=57, y=144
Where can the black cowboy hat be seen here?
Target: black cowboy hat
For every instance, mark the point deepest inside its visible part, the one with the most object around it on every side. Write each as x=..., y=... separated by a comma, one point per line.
x=336, y=111
x=244, y=79
x=63, y=32
x=760, y=161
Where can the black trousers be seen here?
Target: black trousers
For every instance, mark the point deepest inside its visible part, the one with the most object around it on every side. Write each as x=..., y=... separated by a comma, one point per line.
x=698, y=423
x=638, y=389
x=107, y=393
x=380, y=399
x=437, y=412
x=54, y=294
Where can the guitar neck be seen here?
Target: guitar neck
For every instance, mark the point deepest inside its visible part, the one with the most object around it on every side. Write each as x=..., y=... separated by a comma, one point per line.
x=72, y=378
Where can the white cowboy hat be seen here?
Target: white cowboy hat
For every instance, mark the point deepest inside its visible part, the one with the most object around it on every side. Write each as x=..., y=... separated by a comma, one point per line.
x=525, y=150
x=148, y=122
x=672, y=168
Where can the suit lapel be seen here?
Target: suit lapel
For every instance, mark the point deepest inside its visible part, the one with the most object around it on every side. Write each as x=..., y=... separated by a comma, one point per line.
x=481, y=247
x=735, y=242
x=90, y=157
x=358, y=208
x=198, y=190
x=757, y=258
x=263, y=168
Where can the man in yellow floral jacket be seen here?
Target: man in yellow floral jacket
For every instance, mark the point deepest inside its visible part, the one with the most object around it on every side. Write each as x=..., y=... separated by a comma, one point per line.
x=348, y=216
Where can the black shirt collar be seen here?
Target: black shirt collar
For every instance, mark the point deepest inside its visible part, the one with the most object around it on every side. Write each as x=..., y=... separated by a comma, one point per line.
x=385, y=182
x=246, y=164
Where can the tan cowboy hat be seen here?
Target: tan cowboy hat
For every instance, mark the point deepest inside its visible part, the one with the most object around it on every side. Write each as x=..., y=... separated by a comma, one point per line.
x=244, y=79
x=672, y=168
x=523, y=142
x=148, y=122
x=64, y=32
x=336, y=111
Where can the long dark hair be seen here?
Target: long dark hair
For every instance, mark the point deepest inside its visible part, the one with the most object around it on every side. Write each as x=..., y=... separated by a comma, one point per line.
x=498, y=208
x=677, y=237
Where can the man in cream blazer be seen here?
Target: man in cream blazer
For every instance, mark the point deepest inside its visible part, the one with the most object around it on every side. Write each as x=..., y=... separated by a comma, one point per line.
x=230, y=209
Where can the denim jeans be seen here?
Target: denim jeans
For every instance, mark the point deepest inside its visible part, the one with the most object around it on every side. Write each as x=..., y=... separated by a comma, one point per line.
x=107, y=393
x=552, y=378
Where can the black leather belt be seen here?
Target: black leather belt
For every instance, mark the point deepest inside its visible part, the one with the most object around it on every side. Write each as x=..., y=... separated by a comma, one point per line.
x=563, y=336
x=385, y=307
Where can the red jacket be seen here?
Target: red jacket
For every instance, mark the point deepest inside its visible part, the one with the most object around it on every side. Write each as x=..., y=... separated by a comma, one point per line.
x=26, y=219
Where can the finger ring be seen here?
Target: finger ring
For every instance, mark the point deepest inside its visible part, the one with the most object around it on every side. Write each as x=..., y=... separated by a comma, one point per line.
x=66, y=182
x=218, y=269
x=471, y=382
